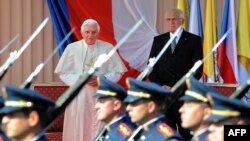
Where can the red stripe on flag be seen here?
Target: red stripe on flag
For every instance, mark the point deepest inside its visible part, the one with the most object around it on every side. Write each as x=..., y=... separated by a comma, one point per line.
x=100, y=10
x=226, y=69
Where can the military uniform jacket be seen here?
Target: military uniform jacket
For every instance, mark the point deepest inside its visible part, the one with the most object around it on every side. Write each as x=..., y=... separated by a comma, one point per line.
x=120, y=130
x=203, y=136
x=158, y=130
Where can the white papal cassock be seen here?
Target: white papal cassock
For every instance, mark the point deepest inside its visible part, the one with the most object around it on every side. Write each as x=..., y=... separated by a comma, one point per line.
x=80, y=122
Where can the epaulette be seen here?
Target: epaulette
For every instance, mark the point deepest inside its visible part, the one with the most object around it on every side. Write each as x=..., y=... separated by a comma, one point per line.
x=124, y=130
x=165, y=130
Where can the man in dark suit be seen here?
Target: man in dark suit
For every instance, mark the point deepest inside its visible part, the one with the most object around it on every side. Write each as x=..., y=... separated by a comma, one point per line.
x=185, y=50
x=174, y=64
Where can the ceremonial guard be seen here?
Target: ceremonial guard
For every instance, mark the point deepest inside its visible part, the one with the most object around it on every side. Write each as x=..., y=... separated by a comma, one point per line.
x=226, y=111
x=196, y=109
x=25, y=114
x=111, y=110
x=146, y=105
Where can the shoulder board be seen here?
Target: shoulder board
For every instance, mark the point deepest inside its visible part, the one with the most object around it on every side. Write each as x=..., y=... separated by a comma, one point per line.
x=124, y=130
x=165, y=130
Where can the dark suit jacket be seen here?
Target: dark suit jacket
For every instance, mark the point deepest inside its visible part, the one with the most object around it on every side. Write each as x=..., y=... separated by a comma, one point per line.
x=171, y=67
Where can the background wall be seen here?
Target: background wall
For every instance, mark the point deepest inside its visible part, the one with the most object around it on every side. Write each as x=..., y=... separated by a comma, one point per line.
x=24, y=16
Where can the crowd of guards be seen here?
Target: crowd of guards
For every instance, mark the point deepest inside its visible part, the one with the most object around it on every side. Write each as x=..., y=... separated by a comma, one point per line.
x=135, y=114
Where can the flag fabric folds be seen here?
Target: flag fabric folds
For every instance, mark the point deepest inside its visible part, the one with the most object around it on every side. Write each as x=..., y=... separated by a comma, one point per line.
x=61, y=22
x=227, y=52
x=195, y=20
x=184, y=6
x=210, y=39
x=243, y=41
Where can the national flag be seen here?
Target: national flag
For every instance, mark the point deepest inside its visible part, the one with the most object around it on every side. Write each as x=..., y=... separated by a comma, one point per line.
x=243, y=41
x=195, y=20
x=227, y=52
x=184, y=6
x=210, y=39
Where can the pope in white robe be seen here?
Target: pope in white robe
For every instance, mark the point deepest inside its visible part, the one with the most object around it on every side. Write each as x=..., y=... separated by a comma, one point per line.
x=80, y=123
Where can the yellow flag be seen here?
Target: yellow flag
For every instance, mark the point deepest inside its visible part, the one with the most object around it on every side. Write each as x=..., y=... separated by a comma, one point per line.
x=243, y=40
x=183, y=5
x=210, y=39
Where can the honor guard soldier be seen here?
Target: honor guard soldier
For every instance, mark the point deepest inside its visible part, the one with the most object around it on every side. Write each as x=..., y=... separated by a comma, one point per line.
x=3, y=137
x=226, y=111
x=146, y=105
x=111, y=110
x=24, y=114
x=196, y=109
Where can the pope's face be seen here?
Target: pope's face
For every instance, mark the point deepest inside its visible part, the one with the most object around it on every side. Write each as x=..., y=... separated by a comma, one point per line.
x=90, y=34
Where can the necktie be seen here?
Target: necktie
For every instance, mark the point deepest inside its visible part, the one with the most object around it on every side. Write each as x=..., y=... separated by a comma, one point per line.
x=173, y=44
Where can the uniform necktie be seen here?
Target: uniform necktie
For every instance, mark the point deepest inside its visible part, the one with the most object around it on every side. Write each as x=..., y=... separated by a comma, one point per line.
x=173, y=44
